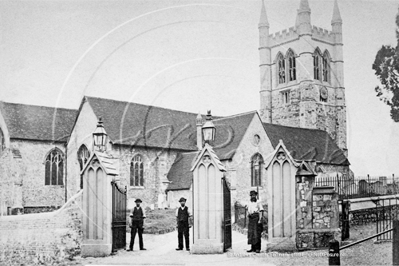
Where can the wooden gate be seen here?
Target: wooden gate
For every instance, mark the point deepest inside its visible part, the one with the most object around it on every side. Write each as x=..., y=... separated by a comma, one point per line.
x=227, y=215
x=345, y=204
x=118, y=217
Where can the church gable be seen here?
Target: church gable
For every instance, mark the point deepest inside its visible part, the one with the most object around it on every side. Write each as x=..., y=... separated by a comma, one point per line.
x=231, y=131
x=237, y=137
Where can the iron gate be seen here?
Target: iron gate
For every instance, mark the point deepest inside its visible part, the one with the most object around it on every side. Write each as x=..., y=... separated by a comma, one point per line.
x=118, y=217
x=387, y=210
x=227, y=215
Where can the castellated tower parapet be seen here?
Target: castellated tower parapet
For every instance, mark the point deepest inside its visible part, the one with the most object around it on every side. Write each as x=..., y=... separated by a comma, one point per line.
x=291, y=34
x=301, y=74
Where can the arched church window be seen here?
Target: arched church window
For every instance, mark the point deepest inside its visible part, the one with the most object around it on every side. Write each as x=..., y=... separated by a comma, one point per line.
x=54, y=168
x=317, y=65
x=83, y=157
x=326, y=67
x=256, y=170
x=281, y=69
x=137, y=172
x=291, y=66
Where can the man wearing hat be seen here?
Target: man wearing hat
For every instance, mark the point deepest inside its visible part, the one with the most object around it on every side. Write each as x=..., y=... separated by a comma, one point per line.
x=136, y=223
x=255, y=226
x=183, y=227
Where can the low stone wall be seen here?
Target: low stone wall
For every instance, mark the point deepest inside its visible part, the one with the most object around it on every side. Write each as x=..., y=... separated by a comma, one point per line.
x=42, y=238
x=40, y=209
x=316, y=238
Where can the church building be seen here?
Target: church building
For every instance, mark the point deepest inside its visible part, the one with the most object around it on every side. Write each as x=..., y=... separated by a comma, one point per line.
x=302, y=113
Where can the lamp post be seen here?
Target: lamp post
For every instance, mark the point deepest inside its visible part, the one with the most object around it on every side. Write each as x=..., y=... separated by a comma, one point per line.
x=208, y=129
x=211, y=229
x=100, y=136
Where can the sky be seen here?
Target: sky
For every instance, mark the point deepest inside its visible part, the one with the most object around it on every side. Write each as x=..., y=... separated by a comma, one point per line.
x=190, y=55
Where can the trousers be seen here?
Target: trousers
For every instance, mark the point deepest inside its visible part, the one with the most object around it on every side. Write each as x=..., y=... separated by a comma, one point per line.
x=137, y=227
x=183, y=230
x=254, y=232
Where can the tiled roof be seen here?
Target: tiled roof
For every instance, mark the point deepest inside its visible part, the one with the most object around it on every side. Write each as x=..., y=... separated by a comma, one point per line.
x=307, y=144
x=179, y=175
x=129, y=123
x=229, y=133
x=149, y=126
x=106, y=161
x=34, y=122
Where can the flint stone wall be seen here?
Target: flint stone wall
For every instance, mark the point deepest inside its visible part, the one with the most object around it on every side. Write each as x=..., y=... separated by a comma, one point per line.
x=43, y=238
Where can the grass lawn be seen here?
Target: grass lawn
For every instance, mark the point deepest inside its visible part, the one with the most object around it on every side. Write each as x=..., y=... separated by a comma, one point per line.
x=159, y=221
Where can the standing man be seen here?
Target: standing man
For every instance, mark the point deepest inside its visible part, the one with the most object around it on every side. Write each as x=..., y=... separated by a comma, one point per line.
x=136, y=223
x=183, y=226
x=255, y=226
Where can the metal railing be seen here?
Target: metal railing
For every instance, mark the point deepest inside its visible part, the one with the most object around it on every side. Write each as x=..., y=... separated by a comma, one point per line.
x=360, y=186
x=386, y=211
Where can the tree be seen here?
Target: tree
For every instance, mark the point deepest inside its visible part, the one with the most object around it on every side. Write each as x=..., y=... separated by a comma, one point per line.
x=386, y=67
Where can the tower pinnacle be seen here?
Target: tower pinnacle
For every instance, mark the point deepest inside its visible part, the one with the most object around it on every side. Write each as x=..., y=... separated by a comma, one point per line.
x=304, y=5
x=303, y=22
x=263, y=21
x=336, y=18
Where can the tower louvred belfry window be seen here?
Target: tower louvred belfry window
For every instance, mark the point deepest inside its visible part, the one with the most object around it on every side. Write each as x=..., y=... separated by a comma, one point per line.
x=54, y=168
x=291, y=66
x=321, y=66
x=281, y=69
x=317, y=65
x=326, y=67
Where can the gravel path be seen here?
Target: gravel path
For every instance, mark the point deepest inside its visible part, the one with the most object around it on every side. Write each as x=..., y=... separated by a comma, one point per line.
x=161, y=251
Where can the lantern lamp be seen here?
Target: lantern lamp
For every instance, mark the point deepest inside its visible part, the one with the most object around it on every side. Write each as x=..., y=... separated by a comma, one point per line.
x=100, y=136
x=208, y=129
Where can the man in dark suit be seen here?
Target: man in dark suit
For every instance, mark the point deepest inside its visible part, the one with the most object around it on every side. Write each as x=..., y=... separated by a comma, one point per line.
x=136, y=223
x=255, y=227
x=183, y=226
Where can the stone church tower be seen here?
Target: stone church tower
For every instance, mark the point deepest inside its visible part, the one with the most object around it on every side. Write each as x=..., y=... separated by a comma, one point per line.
x=301, y=74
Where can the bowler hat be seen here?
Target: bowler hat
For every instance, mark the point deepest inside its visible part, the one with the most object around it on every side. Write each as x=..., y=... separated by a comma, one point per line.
x=253, y=193
x=138, y=200
x=182, y=199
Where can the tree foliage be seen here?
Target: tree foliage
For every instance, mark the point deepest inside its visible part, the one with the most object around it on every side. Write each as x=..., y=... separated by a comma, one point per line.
x=386, y=67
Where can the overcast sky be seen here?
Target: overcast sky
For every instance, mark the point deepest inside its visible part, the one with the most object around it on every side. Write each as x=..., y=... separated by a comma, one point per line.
x=187, y=55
